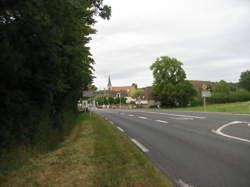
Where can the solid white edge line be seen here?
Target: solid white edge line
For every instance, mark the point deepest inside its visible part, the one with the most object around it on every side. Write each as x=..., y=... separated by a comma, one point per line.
x=120, y=129
x=161, y=121
x=218, y=131
x=142, y=147
x=142, y=117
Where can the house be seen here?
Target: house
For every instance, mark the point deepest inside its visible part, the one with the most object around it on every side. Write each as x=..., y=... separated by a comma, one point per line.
x=129, y=89
x=120, y=91
x=146, y=97
x=200, y=85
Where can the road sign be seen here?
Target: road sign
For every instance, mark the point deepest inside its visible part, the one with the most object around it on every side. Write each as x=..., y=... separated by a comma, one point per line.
x=206, y=94
x=87, y=94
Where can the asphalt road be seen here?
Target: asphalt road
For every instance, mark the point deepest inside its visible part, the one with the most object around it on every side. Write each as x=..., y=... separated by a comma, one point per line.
x=198, y=149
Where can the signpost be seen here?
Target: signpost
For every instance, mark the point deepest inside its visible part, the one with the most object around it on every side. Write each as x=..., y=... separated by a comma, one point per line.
x=205, y=93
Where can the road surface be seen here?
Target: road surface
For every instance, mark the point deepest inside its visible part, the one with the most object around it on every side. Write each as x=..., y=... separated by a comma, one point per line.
x=191, y=148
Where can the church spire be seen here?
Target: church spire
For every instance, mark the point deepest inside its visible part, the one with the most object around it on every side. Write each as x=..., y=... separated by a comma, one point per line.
x=109, y=84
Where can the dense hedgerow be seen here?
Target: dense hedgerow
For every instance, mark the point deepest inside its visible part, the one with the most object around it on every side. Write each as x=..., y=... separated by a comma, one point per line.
x=45, y=64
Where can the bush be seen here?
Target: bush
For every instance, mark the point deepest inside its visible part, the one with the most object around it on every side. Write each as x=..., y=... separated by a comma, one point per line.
x=153, y=106
x=196, y=101
x=229, y=98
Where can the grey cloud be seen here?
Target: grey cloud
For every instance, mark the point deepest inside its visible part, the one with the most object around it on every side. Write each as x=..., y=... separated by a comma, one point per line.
x=211, y=38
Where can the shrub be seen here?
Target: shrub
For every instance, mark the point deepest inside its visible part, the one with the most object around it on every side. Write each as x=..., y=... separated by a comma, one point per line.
x=196, y=101
x=228, y=98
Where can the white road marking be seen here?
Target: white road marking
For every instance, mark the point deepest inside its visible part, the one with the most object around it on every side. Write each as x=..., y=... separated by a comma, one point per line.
x=185, y=116
x=142, y=147
x=178, y=115
x=181, y=183
x=249, y=125
x=142, y=117
x=111, y=122
x=181, y=118
x=161, y=121
x=219, y=131
x=120, y=129
x=131, y=115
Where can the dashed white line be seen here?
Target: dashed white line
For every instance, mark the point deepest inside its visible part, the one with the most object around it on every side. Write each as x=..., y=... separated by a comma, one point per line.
x=185, y=116
x=142, y=147
x=111, y=122
x=131, y=115
x=219, y=131
x=181, y=118
x=177, y=115
x=161, y=121
x=120, y=129
x=142, y=117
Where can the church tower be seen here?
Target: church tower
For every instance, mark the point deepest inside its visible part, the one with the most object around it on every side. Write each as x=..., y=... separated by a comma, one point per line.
x=109, y=84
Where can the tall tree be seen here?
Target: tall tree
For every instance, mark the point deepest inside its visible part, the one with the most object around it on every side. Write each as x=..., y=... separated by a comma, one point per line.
x=245, y=80
x=45, y=62
x=169, y=85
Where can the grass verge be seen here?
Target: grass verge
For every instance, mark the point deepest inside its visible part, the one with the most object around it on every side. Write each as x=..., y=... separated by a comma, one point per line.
x=238, y=107
x=95, y=154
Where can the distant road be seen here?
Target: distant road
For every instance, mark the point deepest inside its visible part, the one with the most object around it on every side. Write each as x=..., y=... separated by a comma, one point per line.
x=199, y=149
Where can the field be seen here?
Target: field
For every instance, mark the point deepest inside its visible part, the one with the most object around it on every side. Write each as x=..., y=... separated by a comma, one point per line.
x=239, y=107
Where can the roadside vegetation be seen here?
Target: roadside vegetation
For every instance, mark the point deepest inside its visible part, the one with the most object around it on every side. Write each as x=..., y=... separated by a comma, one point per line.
x=94, y=154
x=170, y=86
x=45, y=66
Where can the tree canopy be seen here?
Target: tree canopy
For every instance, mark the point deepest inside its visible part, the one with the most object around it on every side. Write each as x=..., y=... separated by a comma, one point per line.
x=245, y=80
x=224, y=87
x=170, y=86
x=45, y=62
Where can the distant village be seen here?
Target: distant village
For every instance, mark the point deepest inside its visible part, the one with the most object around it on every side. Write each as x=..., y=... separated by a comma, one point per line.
x=145, y=98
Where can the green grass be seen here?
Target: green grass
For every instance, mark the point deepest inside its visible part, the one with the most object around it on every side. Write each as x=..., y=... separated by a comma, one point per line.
x=239, y=107
x=94, y=154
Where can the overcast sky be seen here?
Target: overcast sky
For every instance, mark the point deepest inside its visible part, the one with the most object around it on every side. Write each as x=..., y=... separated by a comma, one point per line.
x=210, y=37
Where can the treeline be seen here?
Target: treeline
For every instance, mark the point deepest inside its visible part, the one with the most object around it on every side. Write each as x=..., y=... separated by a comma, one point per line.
x=45, y=64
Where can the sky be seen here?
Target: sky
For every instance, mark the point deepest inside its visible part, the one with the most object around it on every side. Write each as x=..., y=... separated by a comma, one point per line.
x=210, y=37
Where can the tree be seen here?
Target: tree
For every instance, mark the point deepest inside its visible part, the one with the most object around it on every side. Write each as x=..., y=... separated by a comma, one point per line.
x=45, y=64
x=169, y=85
x=221, y=87
x=245, y=80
